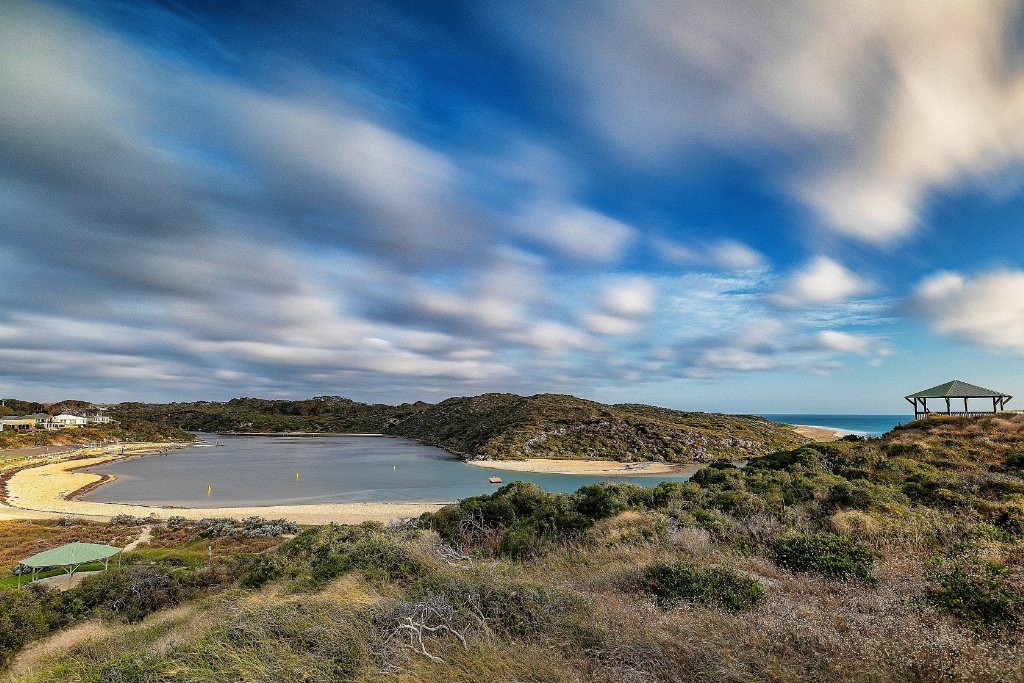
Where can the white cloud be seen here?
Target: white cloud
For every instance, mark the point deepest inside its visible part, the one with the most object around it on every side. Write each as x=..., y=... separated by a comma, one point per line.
x=844, y=342
x=603, y=323
x=821, y=281
x=742, y=360
x=880, y=102
x=629, y=297
x=725, y=254
x=578, y=234
x=987, y=309
x=622, y=302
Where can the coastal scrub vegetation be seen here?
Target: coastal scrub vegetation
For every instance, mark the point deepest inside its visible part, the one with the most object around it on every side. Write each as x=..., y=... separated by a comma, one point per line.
x=328, y=414
x=896, y=558
x=498, y=426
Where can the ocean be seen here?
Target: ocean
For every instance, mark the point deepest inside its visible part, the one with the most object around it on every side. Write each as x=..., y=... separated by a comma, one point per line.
x=862, y=425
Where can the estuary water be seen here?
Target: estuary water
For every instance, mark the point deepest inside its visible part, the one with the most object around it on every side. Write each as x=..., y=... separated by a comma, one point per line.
x=292, y=470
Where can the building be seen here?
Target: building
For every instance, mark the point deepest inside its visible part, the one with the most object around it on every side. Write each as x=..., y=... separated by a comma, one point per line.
x=98, y=419
x=20, y=422
x=68, y=420
x=955, y=390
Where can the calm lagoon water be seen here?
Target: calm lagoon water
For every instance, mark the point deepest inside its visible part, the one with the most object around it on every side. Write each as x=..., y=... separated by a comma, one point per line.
x=873, y=425
x=257, y=470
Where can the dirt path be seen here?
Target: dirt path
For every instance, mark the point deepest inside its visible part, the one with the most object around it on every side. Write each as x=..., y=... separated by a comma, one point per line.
x=145, y=536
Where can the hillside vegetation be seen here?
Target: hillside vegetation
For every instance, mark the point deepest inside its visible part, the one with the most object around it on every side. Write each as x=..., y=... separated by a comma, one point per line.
x=240, y=415
x=498, y=426
x=890, y=559
x=502, y=426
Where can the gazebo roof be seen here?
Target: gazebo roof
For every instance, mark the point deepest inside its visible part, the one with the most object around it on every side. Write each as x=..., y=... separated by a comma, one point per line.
x=70, y=554
x=958, y=389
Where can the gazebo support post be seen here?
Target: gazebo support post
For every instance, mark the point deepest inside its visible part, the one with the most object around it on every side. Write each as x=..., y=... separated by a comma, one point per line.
x=949, y=410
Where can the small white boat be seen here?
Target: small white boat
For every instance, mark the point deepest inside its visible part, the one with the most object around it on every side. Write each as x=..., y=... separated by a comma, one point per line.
x=494, y=480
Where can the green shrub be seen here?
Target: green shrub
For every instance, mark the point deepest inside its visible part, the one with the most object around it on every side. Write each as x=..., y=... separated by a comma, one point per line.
x=325, y=552
x=829, y=554
x=980, y=595
x=131, y=593
x=672, y=582
x=21, y=620
x=1014, y=462
x=259, y=570
x=30, y=613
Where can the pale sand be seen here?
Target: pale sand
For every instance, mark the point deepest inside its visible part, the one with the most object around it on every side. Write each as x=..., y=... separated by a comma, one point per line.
x=41, y=492
x=554, y=466
x=819, y=434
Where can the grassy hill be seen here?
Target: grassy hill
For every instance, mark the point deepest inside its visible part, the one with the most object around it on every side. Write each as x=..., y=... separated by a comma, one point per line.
x=503, y=426
x=320, y=414
x=890, y=559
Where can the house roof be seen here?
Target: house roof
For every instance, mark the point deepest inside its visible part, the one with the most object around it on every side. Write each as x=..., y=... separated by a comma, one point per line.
x=70, y=554
x=958, y=389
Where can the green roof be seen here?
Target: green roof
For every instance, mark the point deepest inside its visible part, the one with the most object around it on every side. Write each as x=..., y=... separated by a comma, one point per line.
x=70, y=554
x=957, y=389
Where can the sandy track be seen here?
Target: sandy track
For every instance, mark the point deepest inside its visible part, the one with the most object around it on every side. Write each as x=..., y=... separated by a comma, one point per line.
x=42, y=491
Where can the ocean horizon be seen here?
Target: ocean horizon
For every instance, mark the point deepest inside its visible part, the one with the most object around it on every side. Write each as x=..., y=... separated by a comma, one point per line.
x=861, y=425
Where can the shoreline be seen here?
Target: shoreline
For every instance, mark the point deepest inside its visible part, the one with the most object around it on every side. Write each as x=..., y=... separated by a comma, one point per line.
x=294, y=434
x=49, y=490
x=820, y=434
x=599, y=467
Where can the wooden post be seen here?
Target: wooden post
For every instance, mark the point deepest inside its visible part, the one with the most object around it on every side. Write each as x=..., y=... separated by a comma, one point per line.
x=948, y=409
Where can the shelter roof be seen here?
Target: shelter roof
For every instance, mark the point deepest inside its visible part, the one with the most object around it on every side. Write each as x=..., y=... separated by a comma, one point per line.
x=957, y=389
x=70, y=554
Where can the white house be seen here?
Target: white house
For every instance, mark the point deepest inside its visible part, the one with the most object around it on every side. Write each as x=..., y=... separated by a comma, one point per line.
x=99, y=419
x=68, y=420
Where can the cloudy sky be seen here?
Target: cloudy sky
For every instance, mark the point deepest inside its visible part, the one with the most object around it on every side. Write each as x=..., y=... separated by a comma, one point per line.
x=743, y=206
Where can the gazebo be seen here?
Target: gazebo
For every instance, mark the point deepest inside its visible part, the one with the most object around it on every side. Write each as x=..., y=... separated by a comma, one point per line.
x=957, y=390
x=70, y=557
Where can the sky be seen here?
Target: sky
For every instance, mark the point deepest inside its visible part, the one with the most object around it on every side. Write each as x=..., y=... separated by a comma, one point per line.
x=741, y=207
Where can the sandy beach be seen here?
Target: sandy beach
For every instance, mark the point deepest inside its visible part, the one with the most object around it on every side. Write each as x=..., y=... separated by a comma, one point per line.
x=42, y=492
x=819, y=433
x=602, y=467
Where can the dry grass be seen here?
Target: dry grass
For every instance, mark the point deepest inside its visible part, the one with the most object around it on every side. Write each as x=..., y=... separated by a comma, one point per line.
x=20, y=539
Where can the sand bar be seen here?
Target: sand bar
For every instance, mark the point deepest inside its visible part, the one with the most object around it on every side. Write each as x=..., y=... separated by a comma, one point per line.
x=599, y=467
x=820, y=434
x=42, y=492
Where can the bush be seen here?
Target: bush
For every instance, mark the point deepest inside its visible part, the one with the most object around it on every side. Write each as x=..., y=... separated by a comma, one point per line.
x=260, y=569
x=829, y=554
x=132, y=520
x=323, y=553
x=980, y=595
x=672, y=582
x=130, y=594
x=513, y=608
x=21, y=620
x=30, y=613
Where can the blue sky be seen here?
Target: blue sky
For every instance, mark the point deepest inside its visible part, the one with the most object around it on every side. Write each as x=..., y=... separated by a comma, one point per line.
x=744, y=206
